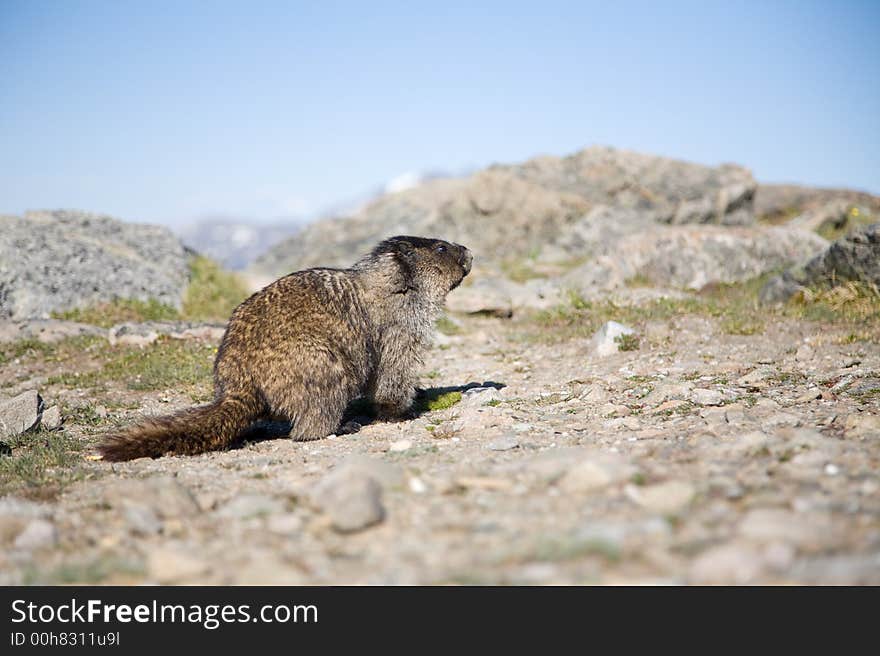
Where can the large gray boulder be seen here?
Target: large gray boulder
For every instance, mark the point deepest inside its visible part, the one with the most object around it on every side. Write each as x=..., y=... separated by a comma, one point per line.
x=691, y=257
x=854, y=257
x=53, y=261
x=510, y=211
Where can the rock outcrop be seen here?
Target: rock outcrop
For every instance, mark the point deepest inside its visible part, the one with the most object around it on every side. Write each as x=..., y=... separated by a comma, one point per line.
x=509, y=211
x=692, y=257
x=55, y=261
x=854, y=257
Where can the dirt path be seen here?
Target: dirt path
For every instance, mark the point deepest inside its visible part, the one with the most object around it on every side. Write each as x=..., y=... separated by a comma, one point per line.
x=700, y=457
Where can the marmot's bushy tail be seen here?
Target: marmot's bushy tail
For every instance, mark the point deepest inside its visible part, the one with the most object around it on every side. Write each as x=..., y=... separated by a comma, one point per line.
x=196, y=430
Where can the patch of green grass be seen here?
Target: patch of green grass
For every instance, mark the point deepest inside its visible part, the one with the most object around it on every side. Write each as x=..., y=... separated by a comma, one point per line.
x=580, y=318
x=782, y=216
x=26, y=349
x=855, y=219
x=851, y=305
x=165, y=364
x=638, y=280
x=119, y=311
x=627, y=342
x=41, y=464
x=212, y=293
x=433, y=400
x=852, y=302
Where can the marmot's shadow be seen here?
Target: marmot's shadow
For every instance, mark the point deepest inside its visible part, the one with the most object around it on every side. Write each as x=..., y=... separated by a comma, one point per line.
x=359, y=413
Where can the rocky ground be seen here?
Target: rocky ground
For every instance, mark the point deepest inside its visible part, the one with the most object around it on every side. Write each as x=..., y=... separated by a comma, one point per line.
x=697, y=455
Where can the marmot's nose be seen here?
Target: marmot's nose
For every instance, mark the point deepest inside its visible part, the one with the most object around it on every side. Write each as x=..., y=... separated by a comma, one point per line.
x=466, y=259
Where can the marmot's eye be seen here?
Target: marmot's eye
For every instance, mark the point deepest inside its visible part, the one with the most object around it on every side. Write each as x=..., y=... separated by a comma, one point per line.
x=440, y=248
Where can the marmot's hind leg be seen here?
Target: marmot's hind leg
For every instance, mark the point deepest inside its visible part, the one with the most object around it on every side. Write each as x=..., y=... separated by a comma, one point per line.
x=317, y=418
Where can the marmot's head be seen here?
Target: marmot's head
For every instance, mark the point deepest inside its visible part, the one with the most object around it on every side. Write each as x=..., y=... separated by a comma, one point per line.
x=430, y=266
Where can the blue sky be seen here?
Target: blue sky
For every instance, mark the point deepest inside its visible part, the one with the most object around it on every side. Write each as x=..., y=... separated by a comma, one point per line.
x=168, y=111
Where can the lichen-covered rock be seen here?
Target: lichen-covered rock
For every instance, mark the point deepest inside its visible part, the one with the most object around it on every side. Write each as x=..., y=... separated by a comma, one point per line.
x=692, y=257
x=20, y=413
x=55, y=261
x=854, y=257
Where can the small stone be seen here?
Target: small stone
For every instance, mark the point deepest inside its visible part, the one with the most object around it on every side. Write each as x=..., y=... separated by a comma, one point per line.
x=164, y=495
x=351, y=499
x=809, y=396
x=250, y=505
x=51, y=418
x=142, y=520
x=38, y=534
x=669, y=406
x=400, y=446
x=831, y=469
x=505, y=443
x=480, y=396
x=727, y=565
x=614, y=410
x=20, y=413
x=804, y=353
x=603, y=342
x=755, y=379
x=597, y=471
x=667, y=498
x=172, y=564
x=417, y=485
x=702, y=396
x=861, y=425
x=284, y=524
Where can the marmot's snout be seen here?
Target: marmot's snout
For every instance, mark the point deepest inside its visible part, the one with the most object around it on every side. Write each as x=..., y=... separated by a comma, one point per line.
x=465, y=259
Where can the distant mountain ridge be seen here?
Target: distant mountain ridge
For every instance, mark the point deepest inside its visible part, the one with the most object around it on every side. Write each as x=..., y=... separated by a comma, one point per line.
x=234, y=243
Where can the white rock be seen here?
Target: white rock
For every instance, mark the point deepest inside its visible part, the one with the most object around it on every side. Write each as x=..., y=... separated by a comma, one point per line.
x=400, y=446
x=51, y=418
x=702, y=396
x=417, y=485
x=479, y=396
x=20, y=413
x=603, y=344
x=351, y=499
x=504, y=443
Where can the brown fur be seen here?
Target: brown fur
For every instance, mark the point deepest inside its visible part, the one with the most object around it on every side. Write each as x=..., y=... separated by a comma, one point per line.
x=307, y=345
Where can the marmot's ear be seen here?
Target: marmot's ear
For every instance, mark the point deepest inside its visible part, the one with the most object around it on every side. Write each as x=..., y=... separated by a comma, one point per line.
x=404, y=247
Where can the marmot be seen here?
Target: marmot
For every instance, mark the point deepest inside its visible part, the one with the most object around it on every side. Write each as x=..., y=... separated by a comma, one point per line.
x=305, y=346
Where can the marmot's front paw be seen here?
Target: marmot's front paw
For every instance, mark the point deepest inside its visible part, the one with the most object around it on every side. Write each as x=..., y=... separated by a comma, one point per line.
x=349, y=428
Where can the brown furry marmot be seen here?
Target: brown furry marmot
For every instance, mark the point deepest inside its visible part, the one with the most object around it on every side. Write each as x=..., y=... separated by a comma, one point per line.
x=304, y=347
